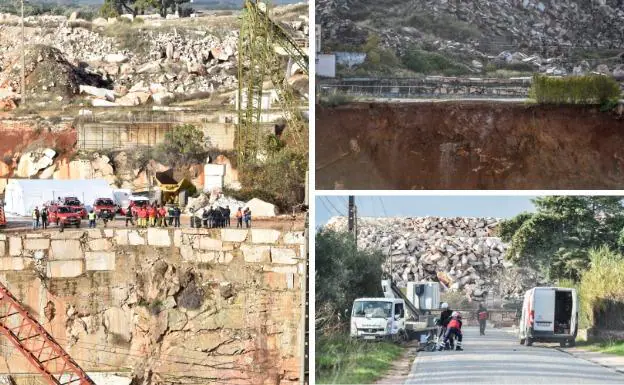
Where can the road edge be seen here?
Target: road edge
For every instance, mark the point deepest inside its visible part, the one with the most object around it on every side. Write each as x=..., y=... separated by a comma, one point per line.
x=580, y=356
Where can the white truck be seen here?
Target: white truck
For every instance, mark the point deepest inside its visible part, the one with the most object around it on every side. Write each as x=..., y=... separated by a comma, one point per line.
x=549, y=314
x=396, y=316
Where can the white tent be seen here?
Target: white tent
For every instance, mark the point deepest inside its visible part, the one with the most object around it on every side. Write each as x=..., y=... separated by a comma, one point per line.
x=23, y=195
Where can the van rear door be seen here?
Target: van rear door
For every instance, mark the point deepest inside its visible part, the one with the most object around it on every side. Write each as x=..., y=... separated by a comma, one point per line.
x=544, y=307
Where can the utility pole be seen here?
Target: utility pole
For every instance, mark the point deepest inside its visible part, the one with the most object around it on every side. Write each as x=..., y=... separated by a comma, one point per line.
x=353, y=217
x=305, y=297
x=23, y=90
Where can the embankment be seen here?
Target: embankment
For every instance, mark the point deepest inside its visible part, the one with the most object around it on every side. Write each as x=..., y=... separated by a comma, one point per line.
x=165, y=306
x=468, y=145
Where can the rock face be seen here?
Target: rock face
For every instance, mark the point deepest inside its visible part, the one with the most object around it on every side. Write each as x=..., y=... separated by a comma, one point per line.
x=534, y=33
x=174, y=306
x=462, y=253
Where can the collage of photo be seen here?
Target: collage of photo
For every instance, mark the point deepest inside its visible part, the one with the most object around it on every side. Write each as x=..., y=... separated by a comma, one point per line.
x=296, y=192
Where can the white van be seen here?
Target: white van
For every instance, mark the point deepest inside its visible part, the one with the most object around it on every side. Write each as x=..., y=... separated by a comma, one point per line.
x=549, y=314
x=378, y=318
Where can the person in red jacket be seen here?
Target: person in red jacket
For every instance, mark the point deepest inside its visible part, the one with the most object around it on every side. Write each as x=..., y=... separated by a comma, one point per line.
x=453, y=328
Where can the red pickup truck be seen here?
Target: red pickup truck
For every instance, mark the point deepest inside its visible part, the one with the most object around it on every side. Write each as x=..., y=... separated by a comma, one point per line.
x=75, y=204
x=64, y=214
x=105, y=206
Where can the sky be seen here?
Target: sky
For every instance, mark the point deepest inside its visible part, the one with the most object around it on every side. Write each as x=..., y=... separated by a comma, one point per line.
x=405, y=206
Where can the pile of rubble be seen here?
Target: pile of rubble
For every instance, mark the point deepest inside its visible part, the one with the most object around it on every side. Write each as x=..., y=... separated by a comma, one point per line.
x=547, y=35
x=463, y=253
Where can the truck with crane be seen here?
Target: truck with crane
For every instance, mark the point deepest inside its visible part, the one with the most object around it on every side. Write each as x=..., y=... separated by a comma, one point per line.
x=396, y=316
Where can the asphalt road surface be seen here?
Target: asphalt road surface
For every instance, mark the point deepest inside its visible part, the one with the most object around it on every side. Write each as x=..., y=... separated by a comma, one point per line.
x=498, y=358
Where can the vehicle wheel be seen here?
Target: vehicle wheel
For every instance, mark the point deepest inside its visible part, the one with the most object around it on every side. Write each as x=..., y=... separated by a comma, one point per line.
x=522, y=341
x=572, y=343
x=562, y=344
x=77, y=225
x=529, y=341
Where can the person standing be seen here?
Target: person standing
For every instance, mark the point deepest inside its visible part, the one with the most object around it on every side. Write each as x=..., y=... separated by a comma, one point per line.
x=35, y=218
x=151, y=212
x=44, y=218
x=482, y=314
x=129, y=217
x=162, y=216
x=176, y=216
x=171, y=215
x=247, y=215
x=91, y=219
x=239, y=218
x=227, y=213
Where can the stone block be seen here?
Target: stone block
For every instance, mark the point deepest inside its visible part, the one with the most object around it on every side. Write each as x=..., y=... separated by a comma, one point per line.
x=64, y=269
x=109, y=233
x=36, y=244
x=12, y=263
x=116, y=321
x=68, y=234
x=100, y=244
x=95, y=233
x=2, y=248
x=177, y=238
x=65, y=249
x=283, y=256
x=99, y=260
x=190, y=255
x=135, y=239
x=234, y=235
x=225, y=258
x=3, y=237
x=204, y=242
x=287, y=269
x=264, y=236
x=15, y=246
x=158, y=237
x=256, y=254
x=294, y=238
x=121, y=237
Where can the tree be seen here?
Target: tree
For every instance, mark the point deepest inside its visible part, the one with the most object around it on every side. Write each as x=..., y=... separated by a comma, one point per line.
x=183, y=145
x=558, y=237
x=113, y=8
x=344, y=272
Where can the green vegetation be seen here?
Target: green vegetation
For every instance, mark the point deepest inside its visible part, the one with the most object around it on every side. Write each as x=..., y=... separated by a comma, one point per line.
x=335, y=99
x=425, y=62
x=280, y=179
x=609, y=347
x=558, y=237
x=343, y=273
x=183, y=145
x=114, y=8
x=445, y=26
x=591, y=89
x=340, y=360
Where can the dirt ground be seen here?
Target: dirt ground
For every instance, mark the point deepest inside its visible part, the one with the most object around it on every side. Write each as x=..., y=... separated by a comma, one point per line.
x=282, y=223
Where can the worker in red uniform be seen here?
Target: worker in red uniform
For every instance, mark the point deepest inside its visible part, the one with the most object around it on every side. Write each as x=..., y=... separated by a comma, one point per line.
x=454, y=329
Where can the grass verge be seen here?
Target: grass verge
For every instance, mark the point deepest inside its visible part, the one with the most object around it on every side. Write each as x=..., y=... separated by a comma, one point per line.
x=610, y=347
x=341, y=360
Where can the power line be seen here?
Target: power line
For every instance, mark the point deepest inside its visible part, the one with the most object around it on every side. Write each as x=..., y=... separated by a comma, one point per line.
x=332, y=205
x=382, y=206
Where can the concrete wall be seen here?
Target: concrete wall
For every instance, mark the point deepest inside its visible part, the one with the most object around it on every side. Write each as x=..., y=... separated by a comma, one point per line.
x=205, y=304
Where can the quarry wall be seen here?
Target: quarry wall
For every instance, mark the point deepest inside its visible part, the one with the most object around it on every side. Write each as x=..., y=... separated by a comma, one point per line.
x=165, y=305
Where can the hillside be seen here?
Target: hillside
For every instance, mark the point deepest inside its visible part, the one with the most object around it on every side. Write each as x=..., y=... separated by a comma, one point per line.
x=478, y=36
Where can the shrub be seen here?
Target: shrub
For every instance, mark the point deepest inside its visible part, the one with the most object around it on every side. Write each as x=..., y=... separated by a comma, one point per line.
x=335, y=99
x=432, y=63
x=591, y=89
x=183, y=145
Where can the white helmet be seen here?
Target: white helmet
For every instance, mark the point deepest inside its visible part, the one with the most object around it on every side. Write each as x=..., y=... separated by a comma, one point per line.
x=444, y=305
x=456, y=314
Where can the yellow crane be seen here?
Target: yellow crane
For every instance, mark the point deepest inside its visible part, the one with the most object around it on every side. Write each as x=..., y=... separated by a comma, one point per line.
x=260, y=40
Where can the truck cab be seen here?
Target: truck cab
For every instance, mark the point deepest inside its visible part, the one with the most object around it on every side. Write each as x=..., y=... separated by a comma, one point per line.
x=549, y=314
x=378, y=318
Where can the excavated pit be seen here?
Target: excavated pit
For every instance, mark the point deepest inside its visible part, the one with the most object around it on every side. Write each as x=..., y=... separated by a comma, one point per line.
x=468, y=145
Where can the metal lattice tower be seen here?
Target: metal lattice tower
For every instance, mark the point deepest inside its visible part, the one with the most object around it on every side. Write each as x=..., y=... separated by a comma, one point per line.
x=259, y=61
x=39, y=347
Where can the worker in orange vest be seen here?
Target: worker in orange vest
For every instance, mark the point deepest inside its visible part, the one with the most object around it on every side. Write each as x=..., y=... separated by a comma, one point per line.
x=239, y=218
x=151, y=212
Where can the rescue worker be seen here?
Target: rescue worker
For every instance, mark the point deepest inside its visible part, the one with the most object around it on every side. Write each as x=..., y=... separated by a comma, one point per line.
x=445, y=318
x=129, y=217
x=151, y=213
x=162, y=216
x=91, y=219
x=44, y=218
x=247, y=215
x=453, y=329
x=227, y=216
x=142, y=217
x=171, y=213
x=35, y=218
x=239, y=218
x=482, y=314
x=176, y=216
